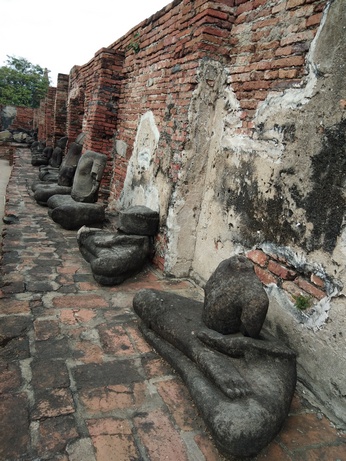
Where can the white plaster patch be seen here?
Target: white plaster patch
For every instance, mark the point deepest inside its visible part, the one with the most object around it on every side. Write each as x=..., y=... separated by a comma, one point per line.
x=121, y=148
x=139, y=187
x=9, y=111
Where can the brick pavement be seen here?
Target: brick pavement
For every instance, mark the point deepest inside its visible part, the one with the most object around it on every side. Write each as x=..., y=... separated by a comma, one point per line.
x=77, y=380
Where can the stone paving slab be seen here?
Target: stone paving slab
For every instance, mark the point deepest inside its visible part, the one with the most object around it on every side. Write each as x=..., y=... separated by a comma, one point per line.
x=77, y=380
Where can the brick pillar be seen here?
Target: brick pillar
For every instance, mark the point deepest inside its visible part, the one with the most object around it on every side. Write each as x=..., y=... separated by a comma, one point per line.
x=75, y=104
x=46, y=117
x=60, y=107
x=102, y=104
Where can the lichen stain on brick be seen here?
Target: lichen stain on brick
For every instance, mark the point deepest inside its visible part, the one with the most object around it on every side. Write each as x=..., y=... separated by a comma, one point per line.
x=269, y=218
x=261, y=218
x=325, y=204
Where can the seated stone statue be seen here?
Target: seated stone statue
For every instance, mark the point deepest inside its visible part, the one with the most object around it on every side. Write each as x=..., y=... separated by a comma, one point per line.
x=47, y=157
x=44, y=190
x=40, y=154
x=79, y=209
x=116, y=256
x=42, y=158
x=241, y=380
x=50, y=172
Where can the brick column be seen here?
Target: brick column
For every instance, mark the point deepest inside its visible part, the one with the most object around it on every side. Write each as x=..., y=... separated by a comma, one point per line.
x=60, y=107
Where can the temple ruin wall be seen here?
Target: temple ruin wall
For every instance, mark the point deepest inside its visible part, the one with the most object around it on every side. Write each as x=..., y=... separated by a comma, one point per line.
x=228, y=117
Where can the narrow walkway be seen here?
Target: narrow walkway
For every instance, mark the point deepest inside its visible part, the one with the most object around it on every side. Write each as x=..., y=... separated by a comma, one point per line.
x=78, y=382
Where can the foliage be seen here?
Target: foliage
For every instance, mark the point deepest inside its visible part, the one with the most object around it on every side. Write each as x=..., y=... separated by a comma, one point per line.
x=302, y=302
x=134, y=45
x=22, y=83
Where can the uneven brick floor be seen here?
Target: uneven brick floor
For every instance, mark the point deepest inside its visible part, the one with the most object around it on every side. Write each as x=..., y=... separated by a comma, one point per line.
x=78, y=382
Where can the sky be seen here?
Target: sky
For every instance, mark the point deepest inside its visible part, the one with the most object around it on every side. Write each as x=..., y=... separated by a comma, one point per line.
x=58, y=35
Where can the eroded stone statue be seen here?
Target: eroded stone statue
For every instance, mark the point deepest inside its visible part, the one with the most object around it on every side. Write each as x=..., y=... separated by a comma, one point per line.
x=115, y=256
x=88, y=177
x=47, y=157
x=241, y=380
x=79, y=209
x=40, y=154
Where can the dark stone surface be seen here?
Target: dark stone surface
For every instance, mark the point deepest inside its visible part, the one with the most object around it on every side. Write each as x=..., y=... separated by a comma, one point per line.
x=235, y=299
x=55, y=434
x=73, y=215
x=52, y=402
x=242, y=386
x=69, y=165
x=49, y=374
x=113, y=257
x=15, y=430
x=139, y=220
x=39, y=286
x=106, y=374
x=53, y=348
x=14, y=326
x=14, y=348
x=44, y=191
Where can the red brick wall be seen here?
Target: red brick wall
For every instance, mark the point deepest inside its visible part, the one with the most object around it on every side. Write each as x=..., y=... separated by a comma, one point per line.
x=45, y=115
x=75, y=104
x=162, y=75
x=263, y=45
x=271, y=268
x=269, y=42
x=153, y=67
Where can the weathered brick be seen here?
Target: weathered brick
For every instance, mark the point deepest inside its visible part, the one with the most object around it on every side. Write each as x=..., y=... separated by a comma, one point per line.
x=308, y=35
x=281, y=271
x=245, y=7
x=258, y=257
x=177, y=398
x=317, y=281
x=309, y=288
x=288, y=73
x=55, y=434
x=265, y=276
x=288, y=62
x=112, y=439
x=45, y=329
x=115, y=340
x=80, y=302
x=284, y=51
x=160, y=437
x=10, y=377
x=293, y=289
x=280, y=6
x=52, y=402
x=314, y=20
x=294, y=3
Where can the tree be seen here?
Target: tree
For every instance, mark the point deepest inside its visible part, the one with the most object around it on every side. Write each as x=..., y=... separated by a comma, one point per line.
x=22, y=83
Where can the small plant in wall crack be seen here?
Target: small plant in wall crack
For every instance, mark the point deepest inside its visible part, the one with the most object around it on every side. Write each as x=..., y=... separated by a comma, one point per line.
x=134, y=45
x=302, y=302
